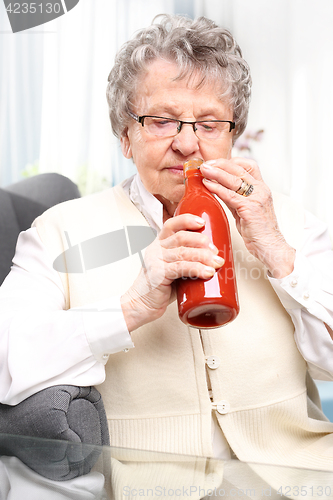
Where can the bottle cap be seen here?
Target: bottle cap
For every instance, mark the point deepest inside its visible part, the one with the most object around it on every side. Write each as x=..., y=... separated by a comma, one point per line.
x=192, y=164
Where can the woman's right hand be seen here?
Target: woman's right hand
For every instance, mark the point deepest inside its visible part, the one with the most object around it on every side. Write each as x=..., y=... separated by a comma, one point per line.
x=178, y=251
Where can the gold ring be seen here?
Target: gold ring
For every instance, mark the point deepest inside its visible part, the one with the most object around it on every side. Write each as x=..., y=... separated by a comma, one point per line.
x=245, y=189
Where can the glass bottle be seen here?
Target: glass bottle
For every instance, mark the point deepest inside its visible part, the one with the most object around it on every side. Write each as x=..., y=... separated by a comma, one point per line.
x=207, y=303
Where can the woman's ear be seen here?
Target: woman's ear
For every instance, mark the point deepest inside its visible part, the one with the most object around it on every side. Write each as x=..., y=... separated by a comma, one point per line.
x=125, y=145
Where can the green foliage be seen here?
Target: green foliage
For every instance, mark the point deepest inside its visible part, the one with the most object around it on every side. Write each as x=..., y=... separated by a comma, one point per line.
x=30, y=169
x=90, y=181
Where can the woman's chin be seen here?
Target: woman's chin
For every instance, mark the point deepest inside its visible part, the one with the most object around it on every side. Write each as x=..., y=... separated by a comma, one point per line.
x=173, y=195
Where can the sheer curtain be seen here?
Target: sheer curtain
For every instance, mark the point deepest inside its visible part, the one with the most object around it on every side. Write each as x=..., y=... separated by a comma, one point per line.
x=289, y=46
x=20, y=102
x=53, y=109
x=76, y=134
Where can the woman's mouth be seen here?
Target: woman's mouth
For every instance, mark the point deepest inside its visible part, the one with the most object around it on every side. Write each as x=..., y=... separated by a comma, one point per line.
x=176, y=169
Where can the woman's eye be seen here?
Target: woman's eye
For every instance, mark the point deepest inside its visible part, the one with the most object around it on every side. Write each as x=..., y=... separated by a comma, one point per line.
x=163, y=122
x=206, y=127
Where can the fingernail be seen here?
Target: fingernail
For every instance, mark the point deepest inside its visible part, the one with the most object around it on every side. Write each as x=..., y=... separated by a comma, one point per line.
x=218, y=260
x=209, y=271
x=200, y=221
x=213, y=247
x=206, y=166
x=210, y=162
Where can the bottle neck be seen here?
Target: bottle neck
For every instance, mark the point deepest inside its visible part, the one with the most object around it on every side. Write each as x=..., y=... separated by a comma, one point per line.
x=193, y=179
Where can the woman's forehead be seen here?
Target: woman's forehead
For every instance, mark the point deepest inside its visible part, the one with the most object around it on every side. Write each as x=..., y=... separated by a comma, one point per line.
x=160, y=86
x=168, y=73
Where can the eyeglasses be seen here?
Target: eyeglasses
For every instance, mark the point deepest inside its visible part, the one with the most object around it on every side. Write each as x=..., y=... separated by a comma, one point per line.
x=160, y=126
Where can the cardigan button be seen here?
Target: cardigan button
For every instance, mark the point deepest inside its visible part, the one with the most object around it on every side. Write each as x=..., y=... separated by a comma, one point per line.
x=223, y=407
x=213, y=362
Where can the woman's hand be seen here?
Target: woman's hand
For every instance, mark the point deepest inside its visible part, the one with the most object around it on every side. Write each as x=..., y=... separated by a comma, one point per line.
x=254, y=214
x=177, y=252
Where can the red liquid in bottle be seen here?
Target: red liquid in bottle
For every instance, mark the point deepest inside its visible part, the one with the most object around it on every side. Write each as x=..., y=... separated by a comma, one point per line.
x=213, y=302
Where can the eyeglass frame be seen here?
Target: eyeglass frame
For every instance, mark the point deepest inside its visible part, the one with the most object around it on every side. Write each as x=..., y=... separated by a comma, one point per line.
x=141, y=119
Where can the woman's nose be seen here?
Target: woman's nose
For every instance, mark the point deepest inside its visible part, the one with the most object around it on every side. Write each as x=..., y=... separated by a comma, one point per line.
x=186, y=142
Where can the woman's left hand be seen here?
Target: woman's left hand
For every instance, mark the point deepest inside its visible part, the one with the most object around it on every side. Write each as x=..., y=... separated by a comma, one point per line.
x=254, y=214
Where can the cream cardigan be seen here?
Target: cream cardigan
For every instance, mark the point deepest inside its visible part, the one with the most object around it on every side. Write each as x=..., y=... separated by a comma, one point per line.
x=156, y=395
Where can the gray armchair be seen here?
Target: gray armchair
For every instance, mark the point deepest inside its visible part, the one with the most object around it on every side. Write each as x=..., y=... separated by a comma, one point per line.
x=22, y=202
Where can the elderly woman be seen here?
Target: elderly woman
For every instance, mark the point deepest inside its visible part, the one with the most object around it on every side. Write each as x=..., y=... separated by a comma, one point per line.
x=242, y=390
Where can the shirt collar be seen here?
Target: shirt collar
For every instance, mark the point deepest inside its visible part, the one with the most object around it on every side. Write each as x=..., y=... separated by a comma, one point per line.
x=150, y=207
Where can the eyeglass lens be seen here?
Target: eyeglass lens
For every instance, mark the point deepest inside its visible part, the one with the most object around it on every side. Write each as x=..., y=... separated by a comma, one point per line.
x=163, y=127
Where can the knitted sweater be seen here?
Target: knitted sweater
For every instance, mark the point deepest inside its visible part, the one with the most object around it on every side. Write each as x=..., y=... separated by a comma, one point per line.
x=156, y=395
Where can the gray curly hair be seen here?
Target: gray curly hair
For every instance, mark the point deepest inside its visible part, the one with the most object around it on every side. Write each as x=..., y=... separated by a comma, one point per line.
x=199, y=45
